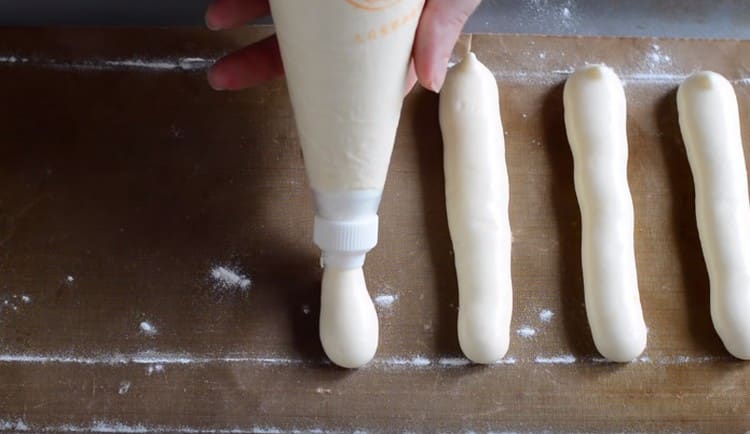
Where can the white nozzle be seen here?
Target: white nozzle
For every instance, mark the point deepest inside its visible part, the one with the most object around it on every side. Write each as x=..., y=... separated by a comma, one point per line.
x=346, y=226
x=345, y=242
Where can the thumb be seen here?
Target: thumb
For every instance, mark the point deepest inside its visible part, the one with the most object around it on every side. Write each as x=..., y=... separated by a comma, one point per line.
x=438, y=31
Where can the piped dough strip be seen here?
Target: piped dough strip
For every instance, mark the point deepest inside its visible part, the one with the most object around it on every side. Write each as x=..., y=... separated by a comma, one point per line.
x=710, y=124
x=595, y=120
x=476, y=192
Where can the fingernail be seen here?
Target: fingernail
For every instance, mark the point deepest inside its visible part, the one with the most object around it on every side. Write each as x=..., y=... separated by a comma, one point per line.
x=216, y=83
x=210, y=24
x=436, y=83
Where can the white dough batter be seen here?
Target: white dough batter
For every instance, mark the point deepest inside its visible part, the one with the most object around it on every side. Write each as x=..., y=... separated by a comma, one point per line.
x=476, y=193
x=346, y=64
x=595, y=120
x=710, y=124
x=346, y=80
x=348, y=322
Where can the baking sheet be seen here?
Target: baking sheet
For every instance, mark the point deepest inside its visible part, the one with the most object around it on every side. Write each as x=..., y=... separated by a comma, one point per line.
x=131, y=193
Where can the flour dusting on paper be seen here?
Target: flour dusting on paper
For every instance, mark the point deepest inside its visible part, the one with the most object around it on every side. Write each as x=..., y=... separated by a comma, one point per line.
x=385, y=300
x=124, y=387
x=114, y=426
x=454, y=361
x=185, y=64
x=225, y=278
x=413, y=362
x=656, y=59
x=563, y=14
x=526, y=332
x=155, y=369
x=13, y=425
x=546, y=315
x=147, y=328
x=10, y=303
x=556, y=360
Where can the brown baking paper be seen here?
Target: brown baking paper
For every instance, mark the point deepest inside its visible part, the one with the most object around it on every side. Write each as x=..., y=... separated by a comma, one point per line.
x=126, y=183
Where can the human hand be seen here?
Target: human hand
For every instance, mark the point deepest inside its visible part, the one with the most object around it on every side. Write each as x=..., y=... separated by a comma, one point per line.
x=439, y=28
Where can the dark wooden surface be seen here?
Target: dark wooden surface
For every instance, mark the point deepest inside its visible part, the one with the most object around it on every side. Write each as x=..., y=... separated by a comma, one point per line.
x=127, y=173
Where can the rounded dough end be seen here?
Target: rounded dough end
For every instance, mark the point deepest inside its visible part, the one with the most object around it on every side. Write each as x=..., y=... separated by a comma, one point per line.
x=348, y=321
x=705, y=79
x=738, y=347
x=593, y=72
x=622, y=346
x=699, y=83
x=731, y=321
x=483, y=333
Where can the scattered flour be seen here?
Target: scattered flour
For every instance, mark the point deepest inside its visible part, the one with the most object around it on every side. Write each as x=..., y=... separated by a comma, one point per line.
x=156, y=362
x=226, y=278
x=194, y=63
x=416, y=361
x=656, y=60
x=148, y=64
x=526, y=332
x=149, y=358
x=147, y=328
x=684, y=360
x=453, y=361
x=112, y=426
x=12, y=302
x=108, y=427
x=16, y=425
x=556, y=360
x=543, y=12
x=155, y=369
x=546, y=315
x=124, y=387
x=385, y=300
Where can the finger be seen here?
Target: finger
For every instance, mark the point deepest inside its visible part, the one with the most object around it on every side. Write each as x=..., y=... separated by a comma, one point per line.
x=226, y=14
x=247, y=67
x=439, y=28
x=411, y=78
